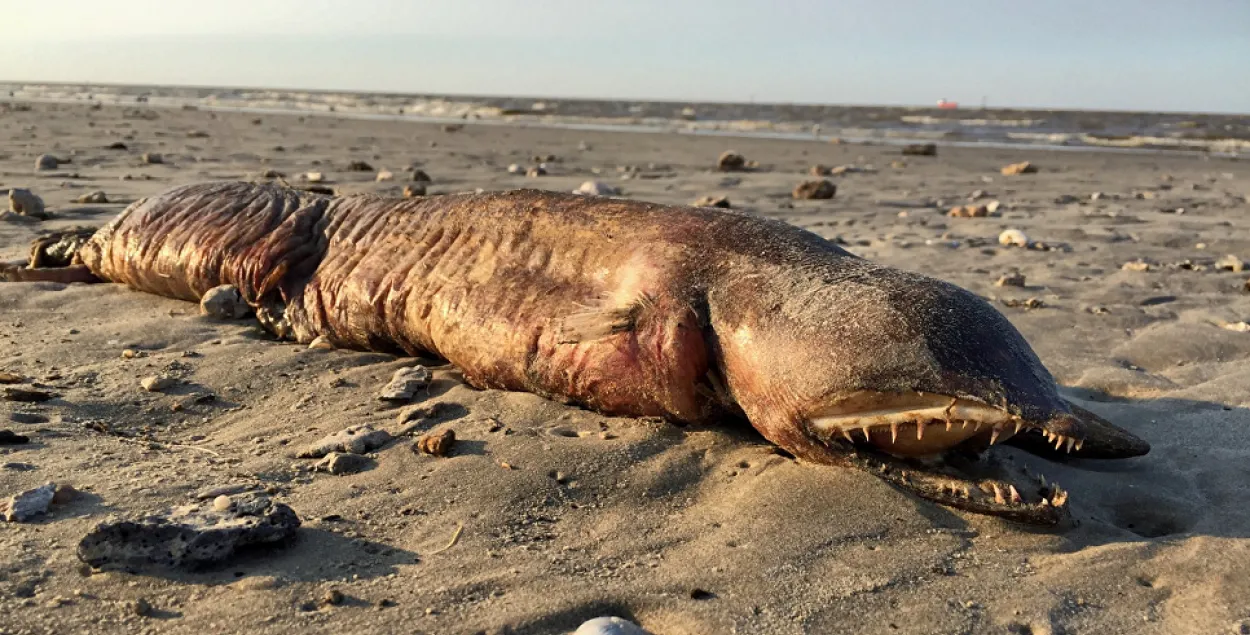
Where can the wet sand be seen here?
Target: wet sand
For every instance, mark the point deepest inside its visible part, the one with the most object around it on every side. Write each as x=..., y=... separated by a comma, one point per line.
x=683, y=530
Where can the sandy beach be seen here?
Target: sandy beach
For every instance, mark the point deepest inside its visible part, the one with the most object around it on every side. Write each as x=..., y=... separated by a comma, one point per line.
x=547, y=515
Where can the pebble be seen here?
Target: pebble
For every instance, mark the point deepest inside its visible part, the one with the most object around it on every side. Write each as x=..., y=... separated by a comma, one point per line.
x=222, y=503
x=116, y=145
x=713, y=201
x=1066, y=199
x=1136, y=265
x=731, y=161
x=419, y=176
x=157, y=383
x=333, y=597
x=536, y=171
x=1024, y=167
x=93, y=198
x=27, y=417
x=993, y=206
x=28, y=395
x=597, y=188
x=270, y=173
x=815, y=190
x=190, y=536
x=969, y=211
x=515, y=169
x=314, y=177
x=414, y=190
x=1230, y=263
x=1013, y=279
x=46, y=162
x=9, y=437
x=353, y=440
x=321, y=342
x=26, y=203
x=359, y=166
x=385, y=175
x=339, y=463
x=920, y=149
x=609, y=626
x=818, y=170
x=140, y=607
x=224, y=302
x=1013, y=238
x=405, y=383
x=152, y=158
x=436, y=443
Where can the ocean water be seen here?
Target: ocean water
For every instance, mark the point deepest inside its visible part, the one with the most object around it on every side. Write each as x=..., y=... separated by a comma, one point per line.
x=1141, y=131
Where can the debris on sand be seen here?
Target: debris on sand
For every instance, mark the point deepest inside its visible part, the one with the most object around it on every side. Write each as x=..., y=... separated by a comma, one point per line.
x=97, y=197
x=1013, y=238
x=435, y=443
x=157, y=383
x=815, y=190
x=359, y=166
x=9, y=437
x=152, y=158
x=1024, y=167
x=340, y=463
x=1013, y=279
x=1230, y=263
x=536, y=171
x=354, y=440
x=26, y=203
x=731, y=161
x=28, y=395
x=405, y=383
x=597, y=188
x=385, y=175
x=24, y=506
x=46, y=162
x=969, y=211
x=713, y=201
x=190, y=536
x=414, y=190
x=224, y=302
x=920, y=149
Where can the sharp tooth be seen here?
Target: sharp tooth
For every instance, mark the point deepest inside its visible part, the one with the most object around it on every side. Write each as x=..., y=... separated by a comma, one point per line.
x=1019, y=426
x=1059, y=498
x=919, y=430
x=994, y=435
x=1058, y=441
x=1071, y=442
x=867, y=437
x=1042, y=479
x=893, y=432
x=1050, y=436
x=1079, y=443
x=847, y=434
x=998, y=495
x=1015, y=496
x=949, y=423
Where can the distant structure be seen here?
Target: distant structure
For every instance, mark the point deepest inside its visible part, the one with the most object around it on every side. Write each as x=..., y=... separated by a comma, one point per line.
x=949, y=105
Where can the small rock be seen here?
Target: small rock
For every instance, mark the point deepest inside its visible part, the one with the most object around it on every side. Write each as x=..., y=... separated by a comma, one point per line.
x=197, y=134
x=1230, y=263
x=436, y=443
x=1239, y=327
x=353, y=440
x=1066, y=199
x=536, y=171
x=339, y=463
x=152, y=158
x=993, y=206
x=814, y=190
x=94, y=198
x=359, y=166
x=28, y=395
x=609, y=626
x=116, y=145
x=1136, y=265
x=414, y=190
x=157, y=383
x=1097, y=196
x=188, y=537
x=731, y=161
x=140, y=607
x=818, y=170
x=46, y=162
x=713, y=201
x=405, y=383
x=1013, y=279
x=1024, y=167
x=419, y=176
x=969, y=211
x=30, y=503
x=9, y=437
x=453, y=127
x=597, y=188
x=224, y=302
x=314, y=177
x=385, y=175
x=321, y=342
x=977, y=195
x=270, y=173
x=515, y=169
x=333, y=597
x=27, y=417
x=222, y=503
x=921, y=149
x=26, y=203
x=1013, y=238
x=11, y=378
x=898, y=165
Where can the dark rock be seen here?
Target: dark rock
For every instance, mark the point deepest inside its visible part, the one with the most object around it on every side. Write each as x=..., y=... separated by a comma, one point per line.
x=813, y=190
x=26, y=394
x=9, y=437
x=920, y=149
x=730, y=161
x=189, y=537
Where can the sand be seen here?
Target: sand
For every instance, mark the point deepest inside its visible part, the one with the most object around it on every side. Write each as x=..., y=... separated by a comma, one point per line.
x=561, y=514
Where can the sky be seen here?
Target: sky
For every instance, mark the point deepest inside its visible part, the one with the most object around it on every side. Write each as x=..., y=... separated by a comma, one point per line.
x=1097, y=54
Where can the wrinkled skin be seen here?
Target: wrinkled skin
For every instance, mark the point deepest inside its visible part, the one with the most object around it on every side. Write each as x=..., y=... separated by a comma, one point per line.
x=636, y=309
